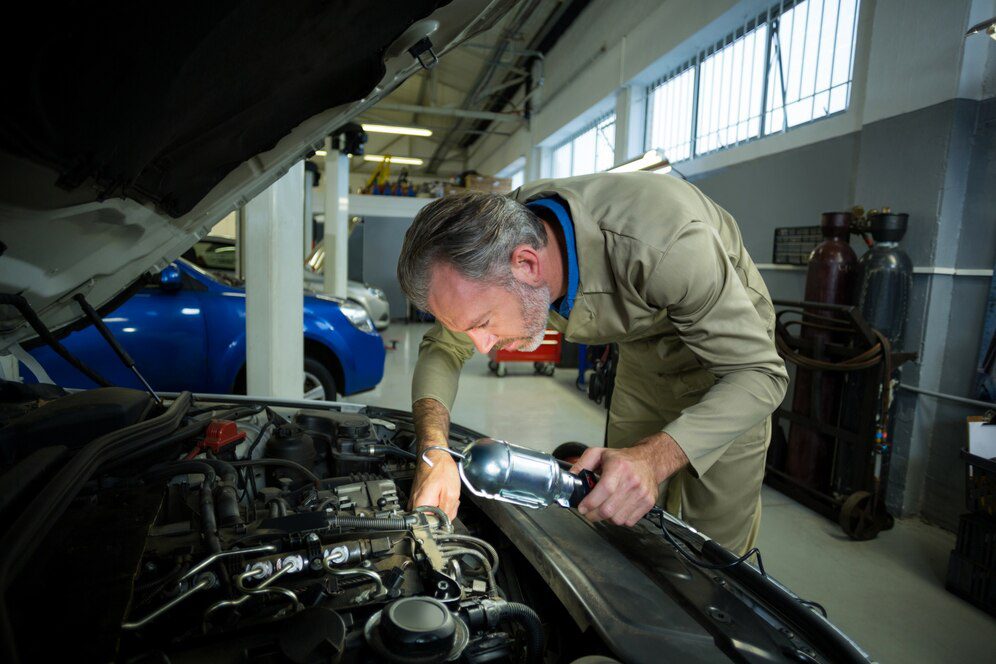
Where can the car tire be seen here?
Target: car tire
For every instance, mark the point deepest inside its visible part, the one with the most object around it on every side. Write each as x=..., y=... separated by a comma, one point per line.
x=319, y=382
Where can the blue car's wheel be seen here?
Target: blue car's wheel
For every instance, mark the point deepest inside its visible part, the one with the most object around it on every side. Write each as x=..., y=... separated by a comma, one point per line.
x=319, y=383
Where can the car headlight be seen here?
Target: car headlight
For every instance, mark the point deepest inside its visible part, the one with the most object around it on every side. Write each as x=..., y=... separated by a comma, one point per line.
x=358, y=316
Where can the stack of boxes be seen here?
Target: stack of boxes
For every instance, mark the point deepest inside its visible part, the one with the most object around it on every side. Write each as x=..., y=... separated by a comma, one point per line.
x=972, y=565
x=487, y=183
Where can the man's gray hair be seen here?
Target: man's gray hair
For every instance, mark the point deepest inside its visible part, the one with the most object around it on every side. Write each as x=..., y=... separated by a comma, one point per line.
x=475, y=232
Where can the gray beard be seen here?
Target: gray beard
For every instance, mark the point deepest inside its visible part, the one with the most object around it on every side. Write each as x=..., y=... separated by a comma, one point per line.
x=535, y=303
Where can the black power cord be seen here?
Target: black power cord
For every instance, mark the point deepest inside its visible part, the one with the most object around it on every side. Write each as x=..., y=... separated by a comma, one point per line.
x=659, y=513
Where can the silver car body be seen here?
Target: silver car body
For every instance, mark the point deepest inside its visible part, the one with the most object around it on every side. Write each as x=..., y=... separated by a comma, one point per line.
x=369, y=297
x=217, y=254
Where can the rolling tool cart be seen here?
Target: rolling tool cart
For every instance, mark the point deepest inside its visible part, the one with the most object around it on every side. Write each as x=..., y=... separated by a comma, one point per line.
x=850, y=488
x=544, y=358
x=972, y=564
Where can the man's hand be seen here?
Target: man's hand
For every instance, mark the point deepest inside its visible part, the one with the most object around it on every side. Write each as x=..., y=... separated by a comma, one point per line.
x=627, y=488
x=437, y=486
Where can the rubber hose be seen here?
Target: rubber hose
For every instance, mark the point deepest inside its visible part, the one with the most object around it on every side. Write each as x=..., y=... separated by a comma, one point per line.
x=209, y=523
x=368, y=523
x=530, y=621
x=226, y=498
x=173, y=468
x=281, y=463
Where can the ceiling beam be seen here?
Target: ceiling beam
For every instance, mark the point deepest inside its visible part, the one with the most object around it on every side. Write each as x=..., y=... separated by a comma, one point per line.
x=451, y=112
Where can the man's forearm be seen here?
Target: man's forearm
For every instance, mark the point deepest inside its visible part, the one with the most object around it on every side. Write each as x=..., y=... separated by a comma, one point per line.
x=432, y=423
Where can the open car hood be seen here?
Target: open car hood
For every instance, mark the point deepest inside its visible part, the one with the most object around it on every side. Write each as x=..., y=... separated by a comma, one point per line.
x=128, y=132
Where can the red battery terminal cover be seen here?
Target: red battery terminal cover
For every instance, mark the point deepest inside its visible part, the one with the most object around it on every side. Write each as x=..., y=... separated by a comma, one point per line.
x=218, y=435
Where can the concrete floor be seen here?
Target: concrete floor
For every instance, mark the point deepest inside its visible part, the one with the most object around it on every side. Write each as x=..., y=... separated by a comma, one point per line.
x=887, y=594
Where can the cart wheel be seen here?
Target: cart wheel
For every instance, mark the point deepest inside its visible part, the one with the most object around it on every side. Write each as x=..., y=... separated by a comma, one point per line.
x=858, y=518
x=501, y=370
x=492, y=365
x=549, y=369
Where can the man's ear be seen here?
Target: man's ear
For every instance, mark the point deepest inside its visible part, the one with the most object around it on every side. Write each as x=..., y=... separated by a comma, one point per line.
x=526, y=265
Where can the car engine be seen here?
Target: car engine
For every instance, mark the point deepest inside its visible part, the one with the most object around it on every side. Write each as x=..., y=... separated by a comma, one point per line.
x=193, y=531
x=289, y=540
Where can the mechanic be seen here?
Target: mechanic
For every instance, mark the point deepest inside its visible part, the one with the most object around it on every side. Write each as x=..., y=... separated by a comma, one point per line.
x=639, y=259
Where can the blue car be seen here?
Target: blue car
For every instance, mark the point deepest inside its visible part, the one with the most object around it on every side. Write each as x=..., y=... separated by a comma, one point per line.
x=187, y=331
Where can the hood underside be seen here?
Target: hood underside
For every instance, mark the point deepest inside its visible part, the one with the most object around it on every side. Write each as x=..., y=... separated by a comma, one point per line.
x=128, y=131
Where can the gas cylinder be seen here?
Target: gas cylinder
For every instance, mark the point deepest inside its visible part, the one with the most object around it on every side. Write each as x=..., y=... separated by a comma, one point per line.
x=830, y=278
x=886, y=277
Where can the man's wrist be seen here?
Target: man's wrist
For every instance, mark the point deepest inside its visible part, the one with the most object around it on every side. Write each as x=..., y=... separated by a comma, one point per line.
x=666, y=456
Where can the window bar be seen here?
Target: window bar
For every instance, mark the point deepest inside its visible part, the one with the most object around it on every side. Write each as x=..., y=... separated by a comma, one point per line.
x=668, y=124
x=833, y=53
x=717, y=77
x=850, y=56
x=783, y=84
x=750, y=87
x=819, y=53
x=762, y=130
x=785, y=51
x=648, y=114
x=693, y=146
x=802, y=62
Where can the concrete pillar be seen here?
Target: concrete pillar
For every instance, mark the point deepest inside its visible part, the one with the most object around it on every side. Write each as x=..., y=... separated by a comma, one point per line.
x=336, y=266
x=274, y=232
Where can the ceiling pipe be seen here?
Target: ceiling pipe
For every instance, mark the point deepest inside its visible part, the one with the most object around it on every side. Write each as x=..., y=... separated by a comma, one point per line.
x=484, y=78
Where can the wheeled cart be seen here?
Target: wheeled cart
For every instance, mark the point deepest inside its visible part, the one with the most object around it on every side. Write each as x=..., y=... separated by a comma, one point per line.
x=544, y=358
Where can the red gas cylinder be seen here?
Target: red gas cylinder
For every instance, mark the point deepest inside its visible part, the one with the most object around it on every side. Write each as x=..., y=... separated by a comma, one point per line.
x=831, y=278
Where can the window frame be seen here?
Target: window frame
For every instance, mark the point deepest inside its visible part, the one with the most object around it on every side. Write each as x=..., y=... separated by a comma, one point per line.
x=770, y=19
x=570, y=140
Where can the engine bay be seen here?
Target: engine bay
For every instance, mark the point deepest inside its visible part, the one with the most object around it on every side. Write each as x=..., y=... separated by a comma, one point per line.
x=269, y=531
x=255, y=536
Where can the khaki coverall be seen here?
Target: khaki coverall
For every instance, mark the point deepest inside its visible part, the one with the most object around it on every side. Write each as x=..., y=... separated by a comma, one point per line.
x=664, y=273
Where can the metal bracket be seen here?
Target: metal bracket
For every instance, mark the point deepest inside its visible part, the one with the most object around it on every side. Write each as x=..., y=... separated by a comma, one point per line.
x=418, y=51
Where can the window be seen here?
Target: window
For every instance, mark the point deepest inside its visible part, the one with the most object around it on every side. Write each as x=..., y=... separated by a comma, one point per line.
x=518, y=178
x=811, y=60
x=791, y=65
x=731, y=87
x=672, y=104
x=589, y=151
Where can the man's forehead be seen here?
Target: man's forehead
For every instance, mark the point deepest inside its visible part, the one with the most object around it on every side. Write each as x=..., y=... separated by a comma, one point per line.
x=456, y=301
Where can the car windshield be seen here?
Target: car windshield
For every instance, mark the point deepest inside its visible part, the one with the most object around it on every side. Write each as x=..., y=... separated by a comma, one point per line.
x=220, y=277
x=213, y=255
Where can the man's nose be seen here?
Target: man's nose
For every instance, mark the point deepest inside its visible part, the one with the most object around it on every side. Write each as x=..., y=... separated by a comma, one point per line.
x=482, y=340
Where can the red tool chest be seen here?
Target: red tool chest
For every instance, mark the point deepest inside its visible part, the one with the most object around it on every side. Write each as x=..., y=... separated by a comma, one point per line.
x=543, y=358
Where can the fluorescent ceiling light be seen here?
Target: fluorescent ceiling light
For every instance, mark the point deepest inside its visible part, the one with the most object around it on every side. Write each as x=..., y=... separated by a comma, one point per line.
x=652, y=158
x=320, y=153
x=411, y=161
x=391, y=129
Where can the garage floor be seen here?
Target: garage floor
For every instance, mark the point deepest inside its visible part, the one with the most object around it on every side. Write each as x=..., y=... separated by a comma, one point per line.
x=887, y=594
